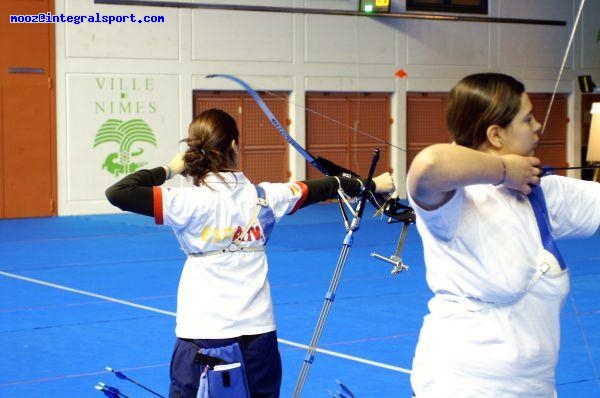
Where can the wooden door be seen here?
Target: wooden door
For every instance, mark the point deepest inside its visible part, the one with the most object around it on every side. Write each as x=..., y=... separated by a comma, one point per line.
x=27, y=112
x=346, y=128
x=425, y=122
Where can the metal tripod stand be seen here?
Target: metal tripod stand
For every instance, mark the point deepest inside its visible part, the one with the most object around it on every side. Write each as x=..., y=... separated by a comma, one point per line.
x=337, y=274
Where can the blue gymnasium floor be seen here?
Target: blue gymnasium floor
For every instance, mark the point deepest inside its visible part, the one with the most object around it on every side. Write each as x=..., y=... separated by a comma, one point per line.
x=82, y=293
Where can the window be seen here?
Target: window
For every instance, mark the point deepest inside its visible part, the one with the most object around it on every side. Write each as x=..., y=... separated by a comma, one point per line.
x=460, y=6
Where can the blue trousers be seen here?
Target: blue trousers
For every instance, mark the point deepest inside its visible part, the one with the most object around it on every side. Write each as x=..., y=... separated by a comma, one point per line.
x=261, y=361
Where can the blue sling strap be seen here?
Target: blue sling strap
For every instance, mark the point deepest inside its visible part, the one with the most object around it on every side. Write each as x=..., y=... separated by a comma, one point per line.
x=265, y=215
x=538, y=203
x=266, y=218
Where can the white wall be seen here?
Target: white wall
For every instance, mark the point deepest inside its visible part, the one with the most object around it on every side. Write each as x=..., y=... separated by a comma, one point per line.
x=148, y=71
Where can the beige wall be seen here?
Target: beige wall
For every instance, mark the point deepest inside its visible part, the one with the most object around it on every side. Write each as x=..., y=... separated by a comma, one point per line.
x=286, y=52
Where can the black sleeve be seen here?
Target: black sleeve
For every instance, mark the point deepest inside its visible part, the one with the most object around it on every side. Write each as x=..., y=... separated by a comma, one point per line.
x=326, y=188
x=134, y=192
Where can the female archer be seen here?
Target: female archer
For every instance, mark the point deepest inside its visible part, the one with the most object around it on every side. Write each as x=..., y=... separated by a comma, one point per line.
x=488, y=224
x=226, y=335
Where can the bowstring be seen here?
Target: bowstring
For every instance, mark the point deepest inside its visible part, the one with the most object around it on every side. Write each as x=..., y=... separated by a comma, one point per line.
x=562, y=66
x=356, y=107
x=335, y=121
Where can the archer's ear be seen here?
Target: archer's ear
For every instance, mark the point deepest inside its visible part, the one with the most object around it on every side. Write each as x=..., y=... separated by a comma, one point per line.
x=494, y=136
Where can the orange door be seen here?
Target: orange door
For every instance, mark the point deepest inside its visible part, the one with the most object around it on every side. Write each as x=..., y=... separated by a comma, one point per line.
x=27, y=112
x=425, y=122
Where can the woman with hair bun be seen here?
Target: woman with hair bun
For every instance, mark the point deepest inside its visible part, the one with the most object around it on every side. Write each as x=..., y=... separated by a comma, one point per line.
x=226, y=334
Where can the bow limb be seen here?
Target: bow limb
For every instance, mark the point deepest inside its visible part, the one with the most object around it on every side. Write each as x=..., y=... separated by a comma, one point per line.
x=274, y=121
x=325, y=166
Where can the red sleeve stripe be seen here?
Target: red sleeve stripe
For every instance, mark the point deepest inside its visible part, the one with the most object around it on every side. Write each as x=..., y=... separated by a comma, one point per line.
x=158, y=207
x=304, y=193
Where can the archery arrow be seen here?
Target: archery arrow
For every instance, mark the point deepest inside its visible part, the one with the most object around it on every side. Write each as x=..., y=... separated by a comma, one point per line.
x=110, y=392
x=550, y=170
x=123, y=376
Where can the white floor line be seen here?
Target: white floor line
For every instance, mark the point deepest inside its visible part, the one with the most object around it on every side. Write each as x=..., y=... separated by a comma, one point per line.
x=83, y=292
x=157, y=310
x=350, y=357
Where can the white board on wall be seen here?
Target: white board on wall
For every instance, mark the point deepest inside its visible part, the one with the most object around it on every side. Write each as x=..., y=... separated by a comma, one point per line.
x=117, y=124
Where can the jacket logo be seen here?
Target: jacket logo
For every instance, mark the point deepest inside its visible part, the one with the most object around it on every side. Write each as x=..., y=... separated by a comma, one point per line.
x=212, y=234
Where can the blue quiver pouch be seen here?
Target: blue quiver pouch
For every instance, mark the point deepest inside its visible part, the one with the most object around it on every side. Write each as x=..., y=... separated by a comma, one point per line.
x=223, y=375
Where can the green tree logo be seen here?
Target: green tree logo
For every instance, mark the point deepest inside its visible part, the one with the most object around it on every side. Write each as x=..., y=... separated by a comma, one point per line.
x=125, y=134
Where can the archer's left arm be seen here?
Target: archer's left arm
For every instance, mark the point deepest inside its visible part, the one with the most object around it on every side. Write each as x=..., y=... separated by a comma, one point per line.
x=135, y=192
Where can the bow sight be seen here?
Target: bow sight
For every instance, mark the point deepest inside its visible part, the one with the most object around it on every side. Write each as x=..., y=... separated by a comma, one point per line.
x=390, y=207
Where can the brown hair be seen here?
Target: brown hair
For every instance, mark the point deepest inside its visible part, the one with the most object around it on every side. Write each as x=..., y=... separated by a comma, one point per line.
x=479, y=101
x=209, y=145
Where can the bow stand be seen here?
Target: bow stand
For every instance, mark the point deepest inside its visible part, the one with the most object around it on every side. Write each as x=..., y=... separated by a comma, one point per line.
x=337, y=274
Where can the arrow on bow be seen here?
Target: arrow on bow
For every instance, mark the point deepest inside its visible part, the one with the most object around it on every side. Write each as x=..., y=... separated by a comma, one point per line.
x=550, y=170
